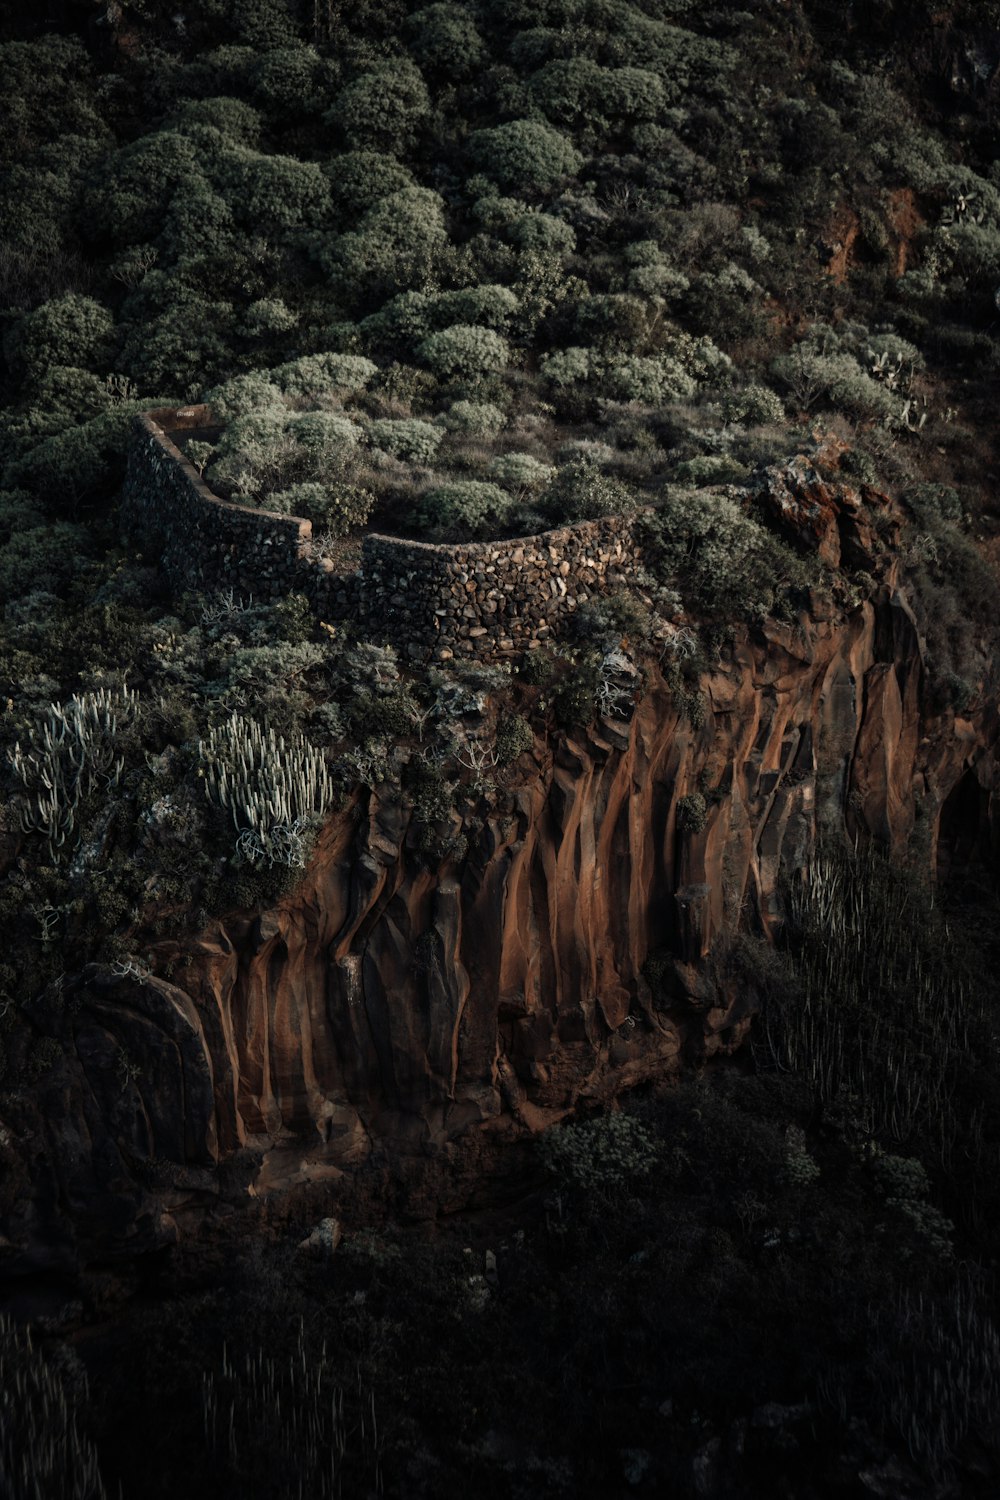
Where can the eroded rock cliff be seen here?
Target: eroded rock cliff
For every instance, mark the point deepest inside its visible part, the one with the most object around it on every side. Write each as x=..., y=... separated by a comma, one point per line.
x=569, y=953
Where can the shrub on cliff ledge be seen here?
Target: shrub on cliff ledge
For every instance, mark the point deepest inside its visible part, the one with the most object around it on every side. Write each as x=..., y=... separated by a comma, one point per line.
x=599, y=1157
x=725, y=563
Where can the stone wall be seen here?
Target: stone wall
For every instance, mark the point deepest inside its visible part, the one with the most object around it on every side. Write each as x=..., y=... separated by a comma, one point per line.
x=204, y=542
x=491, y=598
x=432, y=601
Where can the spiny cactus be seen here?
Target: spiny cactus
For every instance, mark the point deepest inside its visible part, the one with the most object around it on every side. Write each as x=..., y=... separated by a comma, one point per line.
x=936, y=1360
x=878, y=1019
x=271, y=1421
x=271, y=787
x=43, y=1453
x=75, y=747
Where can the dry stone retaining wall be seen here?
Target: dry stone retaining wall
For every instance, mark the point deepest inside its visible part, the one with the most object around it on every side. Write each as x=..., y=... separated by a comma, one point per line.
x=205, y=542
x=432, y=601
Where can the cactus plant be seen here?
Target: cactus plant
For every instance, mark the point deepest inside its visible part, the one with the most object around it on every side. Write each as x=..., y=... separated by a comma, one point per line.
x=272, y=787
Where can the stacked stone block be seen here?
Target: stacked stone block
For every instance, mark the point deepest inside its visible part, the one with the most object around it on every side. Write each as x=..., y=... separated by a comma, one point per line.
x=431, y=601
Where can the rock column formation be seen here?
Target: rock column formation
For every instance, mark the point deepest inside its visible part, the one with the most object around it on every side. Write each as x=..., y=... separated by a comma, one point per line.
x=394, y=1005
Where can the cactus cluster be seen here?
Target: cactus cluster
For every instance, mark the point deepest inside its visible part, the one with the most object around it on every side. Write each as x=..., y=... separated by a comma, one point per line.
x=43, y=1453
x=74, y=749
x=936, y=1359
x=875, y=1020
x=271, y=1421
x=270, y=786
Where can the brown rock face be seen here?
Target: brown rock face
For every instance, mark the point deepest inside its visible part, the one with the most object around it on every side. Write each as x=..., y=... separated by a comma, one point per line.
x=391, y=1004
x=835, y=520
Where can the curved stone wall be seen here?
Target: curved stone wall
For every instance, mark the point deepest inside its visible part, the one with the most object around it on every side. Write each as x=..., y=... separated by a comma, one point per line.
x=431, y=601
x=205, y=542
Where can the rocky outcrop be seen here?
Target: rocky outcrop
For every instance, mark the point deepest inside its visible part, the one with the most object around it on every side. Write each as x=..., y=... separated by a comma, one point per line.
x=392, y=1003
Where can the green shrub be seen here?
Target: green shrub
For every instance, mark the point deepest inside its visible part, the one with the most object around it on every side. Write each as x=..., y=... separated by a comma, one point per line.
x=547, y=13
x=337, y=509
x=382, y=715
x=661, y=281
x=244, y=394
x=566, y=89
x=933, y=503
x=410, y=439
x=651, y=381
x=581, y=491
x=62, y=397
x=177, y=341
x=692, y=813
x=289, y=79
x=725, y=563
x=265, y=451
x=711, y=468
x=536, y=667
x=464, y=509
x=525, y=155
x=268, y=315
x=19, y=512
x=800, y=1168
x=543, y=234
x=272, y=193
x=401, y=323
x=490, y=306
x=383, y=108
x=263, y=23
x=568, y=367
x=464, y=352
x=631, y=94
x=575, y=700
x=69, y=330
x=127, y=197
x=359, y=179
x=44, y=557
x=514, y=737
x=602, y=1157
x=614, y=322
x=233, y=119
x=443, y=38
x=393, y=247
x=313, y=377
x=473, y=419
x=520, y=472
x=84, y=461
x=405, y=385
x=753, y=406
x=325, y=434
